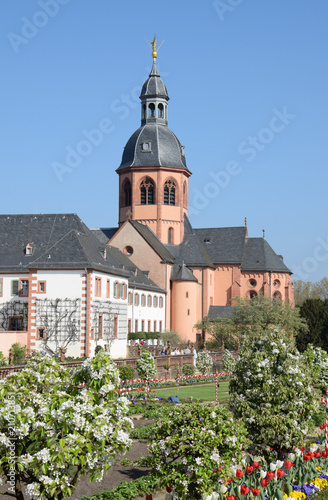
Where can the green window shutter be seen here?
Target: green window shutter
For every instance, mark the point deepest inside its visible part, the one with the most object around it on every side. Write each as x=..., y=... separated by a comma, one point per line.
x=14, y=287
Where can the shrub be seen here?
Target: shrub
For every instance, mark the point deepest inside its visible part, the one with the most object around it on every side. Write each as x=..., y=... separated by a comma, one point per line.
x=191, y=443
x=20, y=352
x=271, y=391
x=126, y=372
x=204, y=362
x=172, y=337
x=317, y=360
x=188, y=370
x=144, y=363
x=228, y=361
x=98, y=348
x=152, y=335
x=3, y=360
x=137, y=336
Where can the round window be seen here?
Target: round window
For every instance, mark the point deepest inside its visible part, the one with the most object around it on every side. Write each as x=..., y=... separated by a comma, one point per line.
x=276, y=283
x=252, y=283
x=128, y=250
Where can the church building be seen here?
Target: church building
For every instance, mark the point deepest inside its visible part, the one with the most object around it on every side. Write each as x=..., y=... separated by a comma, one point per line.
x=203, y=269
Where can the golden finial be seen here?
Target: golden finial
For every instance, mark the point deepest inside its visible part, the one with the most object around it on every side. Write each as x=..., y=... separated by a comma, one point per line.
x=153, y=45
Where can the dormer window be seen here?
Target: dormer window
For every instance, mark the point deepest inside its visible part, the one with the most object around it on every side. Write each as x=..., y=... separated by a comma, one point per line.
x=146, y=146
x=28, y=249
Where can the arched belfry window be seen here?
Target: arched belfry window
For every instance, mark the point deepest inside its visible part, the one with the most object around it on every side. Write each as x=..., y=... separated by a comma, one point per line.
x=147, y=192
x=127, y=193
x=151, y=110
x=144, y=111
x=170, y=234
x=160, y=110
x=169, y=192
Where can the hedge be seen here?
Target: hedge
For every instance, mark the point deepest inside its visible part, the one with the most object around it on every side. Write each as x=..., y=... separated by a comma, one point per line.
x=143, y=335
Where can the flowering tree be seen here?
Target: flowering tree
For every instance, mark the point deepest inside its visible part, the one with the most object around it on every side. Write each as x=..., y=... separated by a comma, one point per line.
x=204, y=362
x=271, y=390
x=192, y=444
x=55, y=427
x=317, y=360
x=228, y=361
x=144, y=363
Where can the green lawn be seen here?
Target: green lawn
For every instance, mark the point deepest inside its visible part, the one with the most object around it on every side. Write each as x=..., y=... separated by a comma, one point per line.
x=204, y=392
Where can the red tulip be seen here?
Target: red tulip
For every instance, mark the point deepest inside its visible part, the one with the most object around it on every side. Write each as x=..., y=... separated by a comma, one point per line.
x=322, y=426
x=288, y=464
x=249, y=469
x=264, y=482
x=232, y=497
x=280, y=473
x=169, y=489
x=244, y=489
x=306, y=458
x=256, y=465
x=239, y=473
x=317, y=454
x=325, y=453
x=270, y=475
x=302, y=448
x=255, y=492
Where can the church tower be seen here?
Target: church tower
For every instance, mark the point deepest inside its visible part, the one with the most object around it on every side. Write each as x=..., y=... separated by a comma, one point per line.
x=153, y=175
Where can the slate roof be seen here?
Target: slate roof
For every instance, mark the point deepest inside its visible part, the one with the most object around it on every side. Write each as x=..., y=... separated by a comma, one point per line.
x=215, y=312
x=154, y=85
x=207, y=247
x=180, y=272
x=166, y=149
x=259, y=256
x=104, y=234
x=224, y=245
x=190, y=252
x=61, y=241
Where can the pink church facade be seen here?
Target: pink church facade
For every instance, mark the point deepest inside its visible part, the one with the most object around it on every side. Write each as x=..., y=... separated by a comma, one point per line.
x=201, y=270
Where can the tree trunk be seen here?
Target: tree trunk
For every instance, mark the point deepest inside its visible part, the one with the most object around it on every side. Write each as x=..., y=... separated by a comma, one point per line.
x=18, y=489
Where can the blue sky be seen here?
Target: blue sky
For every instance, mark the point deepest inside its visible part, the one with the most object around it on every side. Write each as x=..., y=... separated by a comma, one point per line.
x=247, y=82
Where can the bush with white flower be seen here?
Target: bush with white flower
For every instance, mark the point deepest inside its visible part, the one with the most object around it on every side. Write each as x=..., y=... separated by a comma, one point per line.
x=317, y=360
x=55, y=427
x=193, y=445
x=228, y=361
x=204, y=362
x=271, y=390
x=144, y=363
